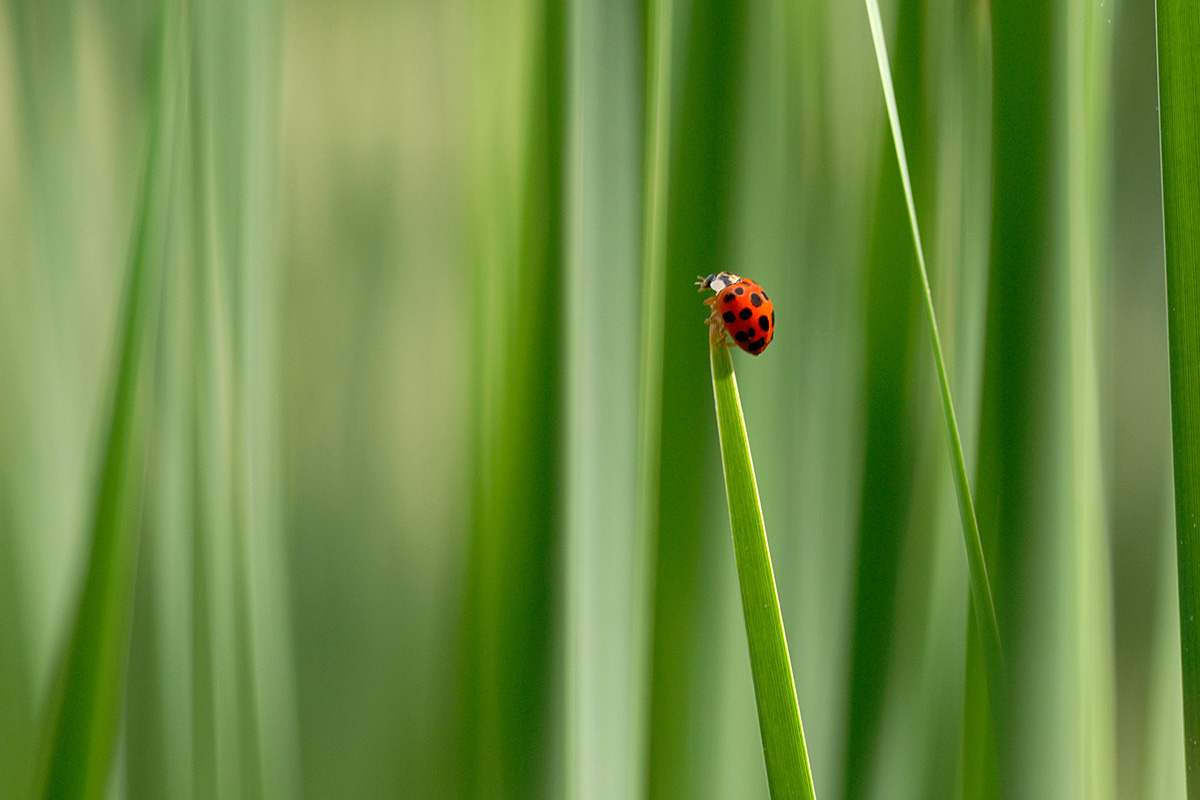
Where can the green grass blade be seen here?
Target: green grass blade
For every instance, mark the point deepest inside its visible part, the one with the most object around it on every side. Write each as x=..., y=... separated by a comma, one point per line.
x=656, y=169
x=981, y=592
x=1084, y=554
x=81, y=722
x=1179, y=120
x=606, y=593
x=786, y=756
x=264, y=580
x=703, y=113
x=517, y=501
x=1163, y=770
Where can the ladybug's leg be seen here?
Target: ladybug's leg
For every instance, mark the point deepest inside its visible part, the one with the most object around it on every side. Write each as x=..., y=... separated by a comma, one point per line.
x=716, y=326
x=712, y=304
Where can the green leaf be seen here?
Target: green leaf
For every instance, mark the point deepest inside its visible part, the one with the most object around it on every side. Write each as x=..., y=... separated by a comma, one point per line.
x=81, y=718
x=1179, y=126
x=981, y=591
x=606, y=559
x=517, y=502
x=786, y=756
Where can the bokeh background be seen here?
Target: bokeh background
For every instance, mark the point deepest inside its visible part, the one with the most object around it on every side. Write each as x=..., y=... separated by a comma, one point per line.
x=432, y=503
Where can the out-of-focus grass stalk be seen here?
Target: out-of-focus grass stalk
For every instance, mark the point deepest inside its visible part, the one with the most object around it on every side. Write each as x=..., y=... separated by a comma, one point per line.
x=889, y=490
x=1084, y=560
x=708, y=63
x=981, y=592
x=606, y=593
x=216, y=706
x=1179, y=127
x=1164, y=773
x=235, y=98
x=81, y=717
x=786, y=757
x=510, y=597
x=1013, y=488
x=830, y=173
x=265, y=624
x=924, y=724
x=656, y=139
x=980, y=778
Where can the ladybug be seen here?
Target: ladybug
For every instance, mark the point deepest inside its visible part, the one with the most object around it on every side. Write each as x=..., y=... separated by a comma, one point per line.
x=741, y=307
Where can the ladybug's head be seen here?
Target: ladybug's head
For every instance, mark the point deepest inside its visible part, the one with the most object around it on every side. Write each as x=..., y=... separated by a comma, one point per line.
x=718, y=281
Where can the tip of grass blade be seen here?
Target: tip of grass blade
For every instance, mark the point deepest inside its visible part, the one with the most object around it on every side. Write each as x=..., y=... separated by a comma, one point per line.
x=788, y=773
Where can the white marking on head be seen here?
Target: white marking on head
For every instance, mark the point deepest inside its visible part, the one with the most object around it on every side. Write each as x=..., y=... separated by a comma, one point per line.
x=721, y=281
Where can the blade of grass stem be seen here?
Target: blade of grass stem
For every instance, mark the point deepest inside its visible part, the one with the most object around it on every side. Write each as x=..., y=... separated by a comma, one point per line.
x=960, y=250
x=517, y=502
x=605, y=593
x=1179, y=127
x=786, y=756
x=832, y=146
x=1012, y=494
x=764, y=225
x=81, y=721
x=1163, y=770
x=258, y=356
x=698, y=220
x=981, y=592
x=656, y=141
x=1084, y=556
x=980, y=774
x=889, y=490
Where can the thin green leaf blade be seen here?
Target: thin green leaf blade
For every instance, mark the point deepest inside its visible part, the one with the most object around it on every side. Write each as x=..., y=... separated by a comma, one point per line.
x=607, y=595
x=80, y=726
x=517, y=501
x=1179, y=119
x=981, y=592
x=788, y=773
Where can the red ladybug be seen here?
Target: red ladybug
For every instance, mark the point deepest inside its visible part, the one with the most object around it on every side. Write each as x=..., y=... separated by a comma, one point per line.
x=742, y=308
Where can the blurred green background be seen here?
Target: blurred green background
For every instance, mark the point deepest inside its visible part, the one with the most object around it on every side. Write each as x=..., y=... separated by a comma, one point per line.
x=432, y=504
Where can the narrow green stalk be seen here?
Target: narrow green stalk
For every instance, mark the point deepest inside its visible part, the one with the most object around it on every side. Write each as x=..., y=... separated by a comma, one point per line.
x=1179, y=121
x=517, y=504
x=981, y=591
x=606, y=596
x=650, y=402
x=788, y=773
x=80, y=727
x=1085, y=573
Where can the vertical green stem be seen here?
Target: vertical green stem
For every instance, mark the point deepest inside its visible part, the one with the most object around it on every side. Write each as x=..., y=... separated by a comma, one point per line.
x=788, y=773
x=981, y=590
x=1179, y=119
x=81, y=723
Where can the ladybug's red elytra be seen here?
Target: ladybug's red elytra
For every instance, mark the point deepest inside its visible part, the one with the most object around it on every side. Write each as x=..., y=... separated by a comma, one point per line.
x=741, y=307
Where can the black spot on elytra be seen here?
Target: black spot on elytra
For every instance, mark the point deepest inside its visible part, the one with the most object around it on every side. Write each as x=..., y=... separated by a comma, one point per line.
x=765, y=295
x=728, y=316
x=728, y=298
x=756, y=345
x=740, y=336
x=739, y=290
x=755, y=300
x=746, y=313
x=764, y=323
